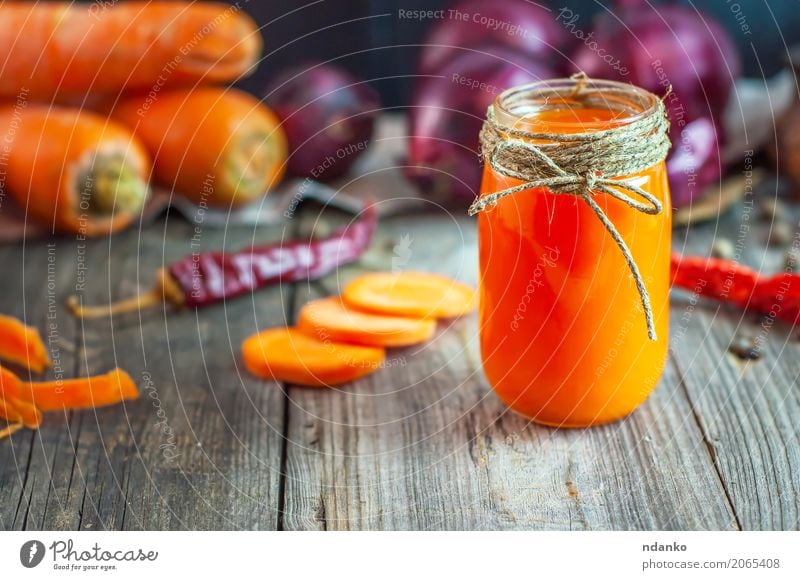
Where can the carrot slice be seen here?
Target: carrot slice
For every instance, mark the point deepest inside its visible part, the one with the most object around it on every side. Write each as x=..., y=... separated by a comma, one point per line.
x=83, y=393
x=289, y=355
x=413, y=294
x=22, y=345
x=330, y=319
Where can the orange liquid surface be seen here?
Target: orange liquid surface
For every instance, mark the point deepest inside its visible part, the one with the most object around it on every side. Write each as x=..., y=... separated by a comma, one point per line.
x=563, y=335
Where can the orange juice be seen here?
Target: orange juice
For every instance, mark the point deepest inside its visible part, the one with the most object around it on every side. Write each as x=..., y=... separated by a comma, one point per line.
x=562, y=330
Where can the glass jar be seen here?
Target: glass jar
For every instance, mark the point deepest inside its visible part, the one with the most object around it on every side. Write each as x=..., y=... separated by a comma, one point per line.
x=562, y=328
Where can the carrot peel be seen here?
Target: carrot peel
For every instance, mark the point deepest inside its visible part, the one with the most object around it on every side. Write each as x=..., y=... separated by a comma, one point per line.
x=82, y=393
x=22, y=345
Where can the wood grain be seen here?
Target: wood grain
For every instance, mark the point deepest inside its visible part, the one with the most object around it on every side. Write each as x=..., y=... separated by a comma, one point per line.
x=748, y=411
x=201, y=449
x=424, y=444
x=421, y=444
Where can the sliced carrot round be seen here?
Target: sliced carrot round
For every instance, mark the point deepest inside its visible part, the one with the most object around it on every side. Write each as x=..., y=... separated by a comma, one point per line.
x=413, y=294
x=331, y=319
x=289, y=355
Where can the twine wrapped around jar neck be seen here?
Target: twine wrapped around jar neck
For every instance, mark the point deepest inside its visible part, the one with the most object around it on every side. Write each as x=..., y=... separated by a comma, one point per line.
x=582, y=164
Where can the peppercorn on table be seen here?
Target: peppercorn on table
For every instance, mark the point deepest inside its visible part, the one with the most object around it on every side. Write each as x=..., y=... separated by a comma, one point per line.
x=420, y=444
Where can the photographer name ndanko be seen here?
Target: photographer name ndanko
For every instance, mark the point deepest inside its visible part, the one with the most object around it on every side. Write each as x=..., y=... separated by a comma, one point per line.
x=658, y=547
x=66, y=552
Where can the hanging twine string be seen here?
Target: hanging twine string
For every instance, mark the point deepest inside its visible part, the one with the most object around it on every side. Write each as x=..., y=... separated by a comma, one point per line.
x=582, y=164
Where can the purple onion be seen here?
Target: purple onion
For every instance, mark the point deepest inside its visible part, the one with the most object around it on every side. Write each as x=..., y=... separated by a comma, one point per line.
x=526, y=28
x=446, y=115
x=328, y=116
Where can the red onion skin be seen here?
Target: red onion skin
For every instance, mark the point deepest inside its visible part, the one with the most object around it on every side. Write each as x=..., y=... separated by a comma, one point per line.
x=672, y=46
x=528, y=29
x=446, y=115
x=696, y=55
x=695, y=162
x=328, y=116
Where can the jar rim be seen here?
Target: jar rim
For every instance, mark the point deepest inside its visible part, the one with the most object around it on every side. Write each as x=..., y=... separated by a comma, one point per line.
x=523, y=102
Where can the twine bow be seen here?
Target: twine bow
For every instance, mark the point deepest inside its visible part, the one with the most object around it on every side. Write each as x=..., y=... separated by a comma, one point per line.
x=582, y=164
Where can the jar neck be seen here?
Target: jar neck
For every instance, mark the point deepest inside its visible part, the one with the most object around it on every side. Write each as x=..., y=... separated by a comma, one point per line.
x=574, y=105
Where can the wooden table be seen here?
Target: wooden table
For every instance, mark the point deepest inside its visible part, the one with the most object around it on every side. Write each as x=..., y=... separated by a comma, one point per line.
x=422, y=444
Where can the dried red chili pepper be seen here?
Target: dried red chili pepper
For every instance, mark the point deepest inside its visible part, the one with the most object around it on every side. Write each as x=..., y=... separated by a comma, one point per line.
x=714, y=278
x=210, y=277
x=726, y=281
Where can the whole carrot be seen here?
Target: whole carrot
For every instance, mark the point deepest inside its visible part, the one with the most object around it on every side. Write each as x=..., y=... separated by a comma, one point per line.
x=214, y=146
x=66, y=49
x=73, y=171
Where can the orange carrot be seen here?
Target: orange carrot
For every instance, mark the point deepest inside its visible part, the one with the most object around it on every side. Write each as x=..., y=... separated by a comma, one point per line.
x=29, y=415
x=330, y=319
x=73, y=171
x=10, y=384
x=286, y=354
x=216, y=146
x=68, y=49
x=9, y=412
x=22, y=345
x=22, y=403
x=413, y=294
x=82, y=393
x=13, y=408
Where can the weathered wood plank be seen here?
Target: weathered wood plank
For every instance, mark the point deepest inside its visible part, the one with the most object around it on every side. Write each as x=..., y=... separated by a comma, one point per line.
x=748, y=411
x=206, y=439
x=35, y=274
x=200, y=450
x=424, y=444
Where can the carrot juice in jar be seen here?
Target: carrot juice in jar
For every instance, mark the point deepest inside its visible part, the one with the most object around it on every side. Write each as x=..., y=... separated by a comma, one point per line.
x=574, y=274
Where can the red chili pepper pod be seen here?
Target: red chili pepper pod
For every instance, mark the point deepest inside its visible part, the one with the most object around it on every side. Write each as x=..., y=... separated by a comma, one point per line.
x=210, y=277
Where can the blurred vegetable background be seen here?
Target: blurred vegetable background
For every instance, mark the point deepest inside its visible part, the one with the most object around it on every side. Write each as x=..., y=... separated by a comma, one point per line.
x=315, y=79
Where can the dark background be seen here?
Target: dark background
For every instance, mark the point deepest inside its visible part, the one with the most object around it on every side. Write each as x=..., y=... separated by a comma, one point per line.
x=367, y=37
